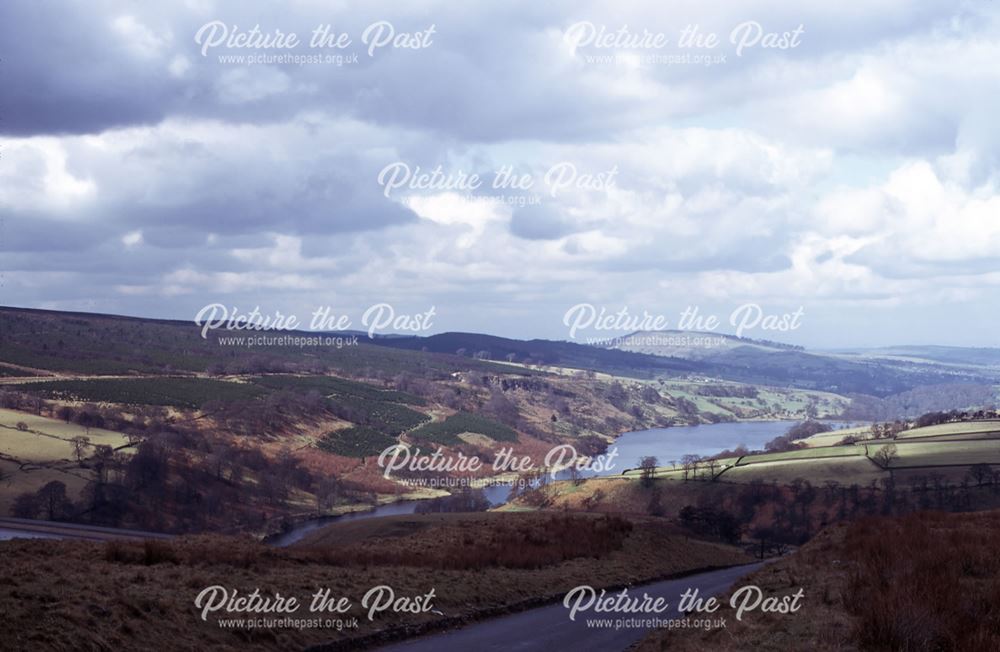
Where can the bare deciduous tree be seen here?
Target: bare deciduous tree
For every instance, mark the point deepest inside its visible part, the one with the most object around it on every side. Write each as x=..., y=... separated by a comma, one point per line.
x=981, y=473
x=80, y=445
x=885, y=455
x=712, y=464
x=648, y=466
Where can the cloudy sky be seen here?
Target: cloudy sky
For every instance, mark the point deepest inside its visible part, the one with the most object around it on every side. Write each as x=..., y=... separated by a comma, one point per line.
x=158, y=157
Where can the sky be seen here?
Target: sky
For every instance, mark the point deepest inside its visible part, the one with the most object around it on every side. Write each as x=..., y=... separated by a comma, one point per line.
x=498, y=165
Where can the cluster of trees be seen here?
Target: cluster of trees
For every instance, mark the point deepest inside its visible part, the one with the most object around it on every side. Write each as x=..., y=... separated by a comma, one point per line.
x=148, y=418
x=892, y=429
x=631, y=401
x=923, y=400
x=774, y=515
x=697, y=467
x=687, y=410
x=267, y=416
x=21, y=401
x=93, y=416
x=617, y=396
x=790, y=440
x=737, y=391
x=935, y=418
x=647, y=466
x=502, y=409
x=507, y=384
x=50, y=502
x=807, y=429
x=712, y=522
x=887, y=430
x=465, y=500
x=242, y=363
x=180, y=480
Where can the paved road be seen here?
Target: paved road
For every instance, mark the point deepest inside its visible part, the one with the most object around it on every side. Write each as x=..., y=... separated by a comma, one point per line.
x=8, y=534
x=549, y=629
x=22, y=528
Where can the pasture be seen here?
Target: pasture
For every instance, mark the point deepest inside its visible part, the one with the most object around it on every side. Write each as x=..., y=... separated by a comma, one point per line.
x=834, y=437
x=953, y=429
x=845, y=470
x=42, y=452
x=948, y=450
x=45, y=439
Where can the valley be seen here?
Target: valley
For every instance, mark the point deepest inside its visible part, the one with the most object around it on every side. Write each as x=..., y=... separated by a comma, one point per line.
x=267, y=464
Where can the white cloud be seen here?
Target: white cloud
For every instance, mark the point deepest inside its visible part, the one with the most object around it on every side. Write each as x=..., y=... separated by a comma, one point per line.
x=138, y=37
x=36, y=174
x=860, y=168
x=132, y=238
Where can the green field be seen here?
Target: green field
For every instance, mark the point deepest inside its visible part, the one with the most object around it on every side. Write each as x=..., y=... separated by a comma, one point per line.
x=947, y=450
x=845, y=470
x=46, y=439
x=43, y=452
x=849, y=463
x=947, y=429
x=833, y=437
x=947, y=453
x=804, y=453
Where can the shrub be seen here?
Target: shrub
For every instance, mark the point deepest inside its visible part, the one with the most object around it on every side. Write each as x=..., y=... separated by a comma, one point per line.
x=523, y=545
x=150, y=552
x=925, y=582
x=157, y=552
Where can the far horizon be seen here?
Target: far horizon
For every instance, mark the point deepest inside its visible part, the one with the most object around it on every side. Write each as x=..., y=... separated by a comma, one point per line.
x=592, y=338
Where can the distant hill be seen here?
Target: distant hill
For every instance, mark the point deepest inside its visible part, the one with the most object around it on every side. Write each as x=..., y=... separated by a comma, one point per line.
x=88, y=343
x=547, y=352
x=691, y=345
x=651, y=354
x=110, y=344
x=956, y=355
x=875, y=372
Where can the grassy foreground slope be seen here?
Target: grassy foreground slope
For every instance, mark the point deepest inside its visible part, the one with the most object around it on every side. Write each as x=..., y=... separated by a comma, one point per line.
x=927, y=581
x=141, y=597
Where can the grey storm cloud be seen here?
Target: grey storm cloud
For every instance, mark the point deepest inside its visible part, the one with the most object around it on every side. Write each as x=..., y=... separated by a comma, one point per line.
x=65, y=73
x=84, y=68
x=144, y=176
x=74, y=69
